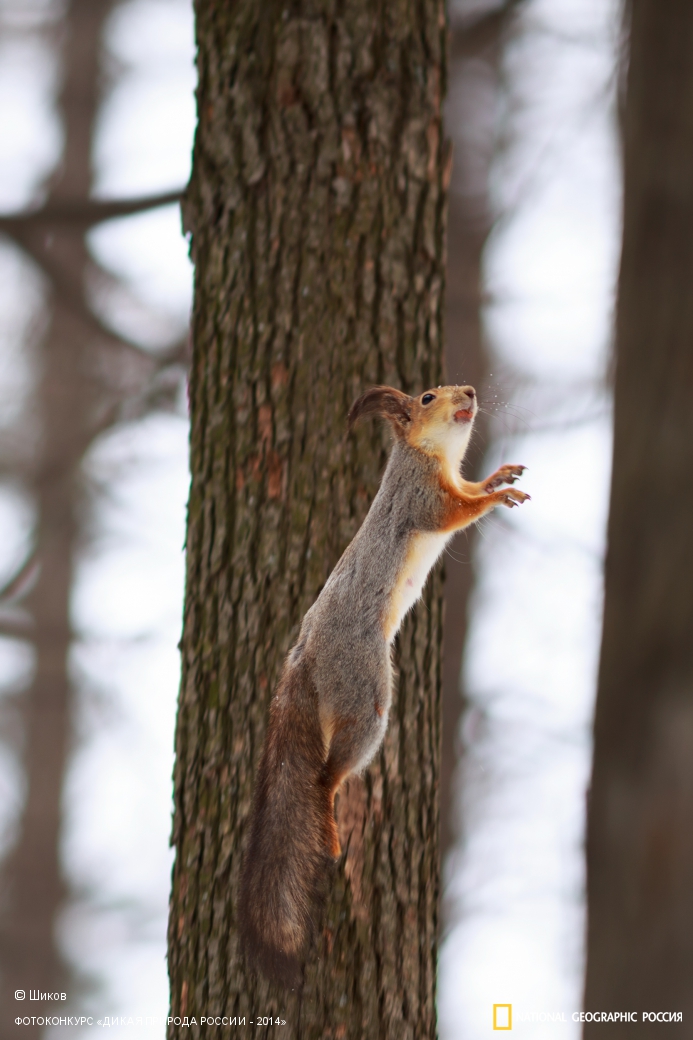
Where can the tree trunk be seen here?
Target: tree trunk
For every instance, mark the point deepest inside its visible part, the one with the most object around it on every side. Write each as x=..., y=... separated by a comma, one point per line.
x=640, y=828
x=317, y=208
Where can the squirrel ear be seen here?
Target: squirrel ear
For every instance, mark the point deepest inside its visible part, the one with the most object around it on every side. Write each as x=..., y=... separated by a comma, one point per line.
x=385, y=401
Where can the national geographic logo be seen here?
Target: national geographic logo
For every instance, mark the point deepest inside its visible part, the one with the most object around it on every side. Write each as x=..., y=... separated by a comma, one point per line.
x=502, y=1016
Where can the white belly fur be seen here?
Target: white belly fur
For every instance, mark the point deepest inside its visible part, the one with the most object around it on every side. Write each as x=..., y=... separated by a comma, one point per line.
x=424, y=551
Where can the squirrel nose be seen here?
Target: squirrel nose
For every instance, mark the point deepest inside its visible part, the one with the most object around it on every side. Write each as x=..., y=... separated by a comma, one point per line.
x=469, y=391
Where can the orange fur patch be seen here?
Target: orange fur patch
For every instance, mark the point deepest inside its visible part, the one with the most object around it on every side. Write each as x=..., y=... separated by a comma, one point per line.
x=462, y=510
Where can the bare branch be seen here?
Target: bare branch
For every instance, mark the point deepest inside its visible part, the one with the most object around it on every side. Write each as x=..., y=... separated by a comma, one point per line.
x=70, y=294
x=85, y=212
x=158, y=393
x=22, y=580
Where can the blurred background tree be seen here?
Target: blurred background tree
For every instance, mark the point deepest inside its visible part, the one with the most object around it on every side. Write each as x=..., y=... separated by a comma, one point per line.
x=88, y=376
x=640, y=827
x=476, y=47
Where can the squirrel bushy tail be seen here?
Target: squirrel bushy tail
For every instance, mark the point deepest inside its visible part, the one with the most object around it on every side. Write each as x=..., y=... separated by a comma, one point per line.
x=292, y=834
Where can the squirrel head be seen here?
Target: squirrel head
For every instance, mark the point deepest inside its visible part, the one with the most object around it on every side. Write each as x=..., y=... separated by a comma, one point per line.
x=438, y=422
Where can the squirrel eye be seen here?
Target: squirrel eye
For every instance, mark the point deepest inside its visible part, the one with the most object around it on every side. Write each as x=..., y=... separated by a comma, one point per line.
x=427, y=398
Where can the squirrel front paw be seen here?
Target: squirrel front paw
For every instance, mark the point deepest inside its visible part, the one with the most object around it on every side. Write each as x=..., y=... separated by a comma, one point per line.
x=505, y=475
x=511, y=497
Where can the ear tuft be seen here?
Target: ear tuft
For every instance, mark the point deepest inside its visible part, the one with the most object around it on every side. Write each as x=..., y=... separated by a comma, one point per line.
x=383, y=401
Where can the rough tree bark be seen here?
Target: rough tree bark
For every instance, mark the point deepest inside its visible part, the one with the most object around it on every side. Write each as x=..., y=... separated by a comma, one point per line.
x=317, y=210
x=640, y=826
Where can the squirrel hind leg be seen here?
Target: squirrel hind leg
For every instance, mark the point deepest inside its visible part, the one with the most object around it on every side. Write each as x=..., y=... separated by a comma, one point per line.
x=343, y=759
x=334, y=844
x=331, y=782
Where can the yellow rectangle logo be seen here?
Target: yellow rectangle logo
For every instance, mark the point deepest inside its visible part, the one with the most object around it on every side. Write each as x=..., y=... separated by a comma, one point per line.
x=502, y=1016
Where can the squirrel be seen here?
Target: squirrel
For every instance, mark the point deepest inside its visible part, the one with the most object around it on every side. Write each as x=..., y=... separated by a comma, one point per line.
x=330, y=710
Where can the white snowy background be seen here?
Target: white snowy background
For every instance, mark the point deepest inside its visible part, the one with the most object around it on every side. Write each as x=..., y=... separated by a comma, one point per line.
x=517, y=879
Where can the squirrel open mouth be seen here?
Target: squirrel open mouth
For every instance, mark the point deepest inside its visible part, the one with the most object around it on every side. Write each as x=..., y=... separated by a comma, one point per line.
x=463, y=415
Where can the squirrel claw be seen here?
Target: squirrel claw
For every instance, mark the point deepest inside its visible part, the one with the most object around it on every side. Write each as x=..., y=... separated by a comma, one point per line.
x=504, y=475
x=513, y=497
